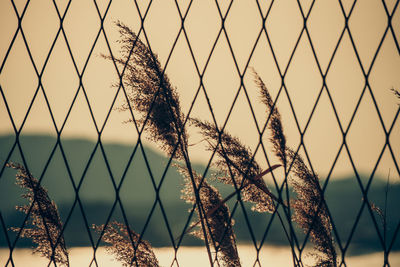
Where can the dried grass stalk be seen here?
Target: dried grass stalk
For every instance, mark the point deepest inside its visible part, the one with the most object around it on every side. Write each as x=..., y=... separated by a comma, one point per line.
x=126, y=245
x=46, y=231
x=277, y=138
x=235, y=158
x=219, y=231
x=310, y=210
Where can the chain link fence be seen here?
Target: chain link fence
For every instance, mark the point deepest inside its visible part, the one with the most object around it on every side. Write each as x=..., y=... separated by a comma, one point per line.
x=271, y=127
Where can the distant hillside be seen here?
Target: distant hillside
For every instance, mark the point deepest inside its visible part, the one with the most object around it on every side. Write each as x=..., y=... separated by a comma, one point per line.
x=96, y=164
x=84, y=159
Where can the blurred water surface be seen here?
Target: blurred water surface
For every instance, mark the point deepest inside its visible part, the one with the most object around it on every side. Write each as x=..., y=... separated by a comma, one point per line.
x=192, y=257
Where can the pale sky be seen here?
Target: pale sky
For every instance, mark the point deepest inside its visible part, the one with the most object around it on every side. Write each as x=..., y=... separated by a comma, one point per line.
x=221, y=80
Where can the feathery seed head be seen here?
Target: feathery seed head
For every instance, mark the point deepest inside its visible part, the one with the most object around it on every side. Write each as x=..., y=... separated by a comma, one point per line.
x=236, y=159
x=126, y=245
x=150, y=92
x=278, y=138
x=218, y=223
x=46, y=231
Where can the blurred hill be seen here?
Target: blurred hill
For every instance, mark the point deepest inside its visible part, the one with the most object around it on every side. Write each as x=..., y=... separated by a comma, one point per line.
x=96, y=171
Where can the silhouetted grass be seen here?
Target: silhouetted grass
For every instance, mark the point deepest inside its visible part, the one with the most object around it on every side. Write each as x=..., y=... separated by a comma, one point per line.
x=46, y=226
x=237, y=166
x=310, y=210
x=219, y=231
x=150, y=93
x=126, y=245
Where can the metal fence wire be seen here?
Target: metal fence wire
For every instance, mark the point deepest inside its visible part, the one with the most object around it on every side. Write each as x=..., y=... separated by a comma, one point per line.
x=253, y=109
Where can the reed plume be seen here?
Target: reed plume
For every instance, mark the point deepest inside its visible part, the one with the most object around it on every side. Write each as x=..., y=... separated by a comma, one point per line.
x=310, y=210
x=277, y=138
x=150, y=92
x=46, y=231
x=219, y=232
x=235, y=158
x=126, y=246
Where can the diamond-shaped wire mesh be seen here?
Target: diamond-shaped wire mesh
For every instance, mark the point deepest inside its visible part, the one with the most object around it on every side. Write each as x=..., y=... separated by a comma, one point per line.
x=71, y=118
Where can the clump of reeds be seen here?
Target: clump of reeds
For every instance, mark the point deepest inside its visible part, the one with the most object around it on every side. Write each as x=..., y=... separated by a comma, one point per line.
x=47, y=227
x=310, y=210
x=46, y=231
x=127, y=246
x=150, y=92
